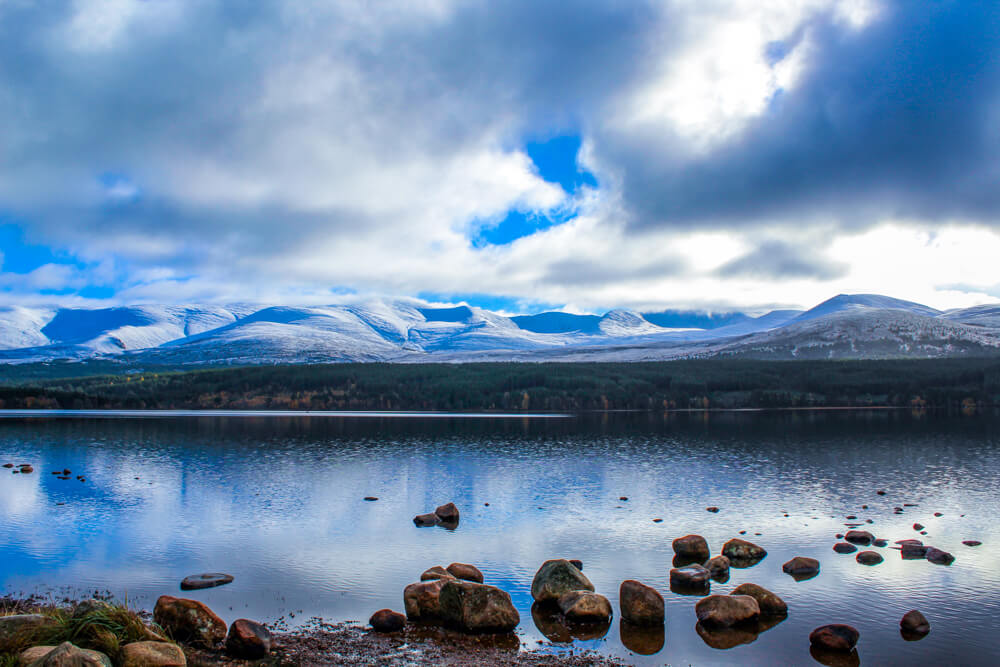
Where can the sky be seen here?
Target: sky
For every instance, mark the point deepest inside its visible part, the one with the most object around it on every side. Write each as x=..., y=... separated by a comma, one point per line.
x=517, y=155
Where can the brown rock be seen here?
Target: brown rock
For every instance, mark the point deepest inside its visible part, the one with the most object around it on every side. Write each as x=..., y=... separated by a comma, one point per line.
x=742, y=553
x=556, y=577
x=248, y=640
x=578, y=564
x=722, y=611
x=835, y=637
x=844, y=548
x=869, y=558
x=918, y=526
x=713, y=510
x=33, y=654
x=68, y=655
x=718, y=567
x=694, y=547
x=971, y=543
x=208, y=580
x=426, y=520
x=768, y=603
x=477, y=608
x=585, y=607
x=447, y=513
x=801, y=565
x=153, y=654
x=690, y=576
x=911, y=551
x=26, y=470
x=914, y=622
x=422, y=600
x=938, y=557
x=466, y=572
x=862, y=537
x=387, y=620
x=436, y=572
x=189, y=621
x=640, y=605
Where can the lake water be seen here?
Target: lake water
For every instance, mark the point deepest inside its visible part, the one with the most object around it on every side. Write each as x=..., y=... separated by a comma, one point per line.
x=278, y=503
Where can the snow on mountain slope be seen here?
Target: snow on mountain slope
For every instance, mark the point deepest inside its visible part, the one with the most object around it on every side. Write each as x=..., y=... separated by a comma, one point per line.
x=848, y=302
x=980, y=316
x=22, y=327
x=618, y=323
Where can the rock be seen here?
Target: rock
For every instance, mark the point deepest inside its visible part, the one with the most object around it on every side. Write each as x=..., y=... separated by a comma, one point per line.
x=915, y=623
x=153, y=654
x=436, y=572
x=835, y=637
x=971, y=543
x=248, y=640
x=642, y=639
x=862, y=537
x=690, y=576
x=718, y=567
x=466, y=572
x=447, y=513
x=27, y=470
x=426, y=520
x=912, y=551
x=938, y=514
x=15, y=627
x=189, y=621
x=723, y=611
x=208, y=580
x=917, y=542
x=556, y=577
x=713, y=510
x=387, y=620
x=850, y=517
x=640, y=605
x=692, y=546
x=768, y=603
x=422, y=600
x=880, y=492
x=68, y=655
x=938, y=557
x=478, y=608
x=8, y=465
x=623, y=498
x=869, y=558
x=742, y=553
x=880, y=543
x=657, y=520
x=918, y=526
x=585, y=607
x=578, y=564
x=33, y=654
x=844, y=548
x=801, y=565
x=371, y=499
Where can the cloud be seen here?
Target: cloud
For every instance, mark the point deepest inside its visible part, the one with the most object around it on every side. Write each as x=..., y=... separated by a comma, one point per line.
x=287, y=150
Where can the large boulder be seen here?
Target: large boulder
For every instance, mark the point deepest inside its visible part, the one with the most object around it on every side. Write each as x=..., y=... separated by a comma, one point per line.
x=436, y=572
x=585, y=607
x=835, y=637
x=914, y=623
x=248, y=640
x=466, y=572
x=694, y=547
x=153, y=654
x=189, y=621
x=68, y=655
x=422, y=600
x=723, y=611
x=769, y=603
x=640, y=604
x=718, y=568
x=742, y=553
x=556, y=578
x=477, y=608
x=387, y=620
x=16, y=627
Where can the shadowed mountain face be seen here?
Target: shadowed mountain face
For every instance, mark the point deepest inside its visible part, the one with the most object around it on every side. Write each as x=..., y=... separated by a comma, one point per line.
x=407, y=330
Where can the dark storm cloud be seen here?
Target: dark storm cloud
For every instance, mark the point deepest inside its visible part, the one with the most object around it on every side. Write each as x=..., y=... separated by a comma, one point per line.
x=899, y=118
x=779, y=260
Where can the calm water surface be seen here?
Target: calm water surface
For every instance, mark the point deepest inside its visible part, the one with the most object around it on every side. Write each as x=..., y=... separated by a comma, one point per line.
x=277, y=502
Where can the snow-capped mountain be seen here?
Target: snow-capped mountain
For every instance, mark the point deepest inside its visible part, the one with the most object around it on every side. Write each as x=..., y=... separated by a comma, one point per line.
x=410, y=330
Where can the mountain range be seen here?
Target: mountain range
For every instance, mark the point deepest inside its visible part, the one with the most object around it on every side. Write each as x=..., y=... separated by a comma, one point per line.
x=409, y=330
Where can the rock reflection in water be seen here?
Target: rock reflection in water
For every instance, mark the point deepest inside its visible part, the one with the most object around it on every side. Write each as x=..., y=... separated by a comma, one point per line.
x=747, y=633
x=554, y=626
x=642, y=640
x=835, y=658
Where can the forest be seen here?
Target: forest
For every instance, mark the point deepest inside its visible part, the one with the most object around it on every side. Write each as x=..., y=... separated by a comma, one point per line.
x=559, y=387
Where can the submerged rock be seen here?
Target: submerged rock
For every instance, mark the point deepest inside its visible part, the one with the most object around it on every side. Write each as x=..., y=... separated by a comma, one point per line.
x=557, y=577
x=717, y=611
x=914, y=623
x=869, y=558
x=694, y=547
x=153, y=654
x=466, y=572
x=585, y=607
x=248, y=640
x=835, y=637
x=477, y=608
x=189, y=620
x=640, y=605
x=768, y=603
x=387, y=620
x=208, y=580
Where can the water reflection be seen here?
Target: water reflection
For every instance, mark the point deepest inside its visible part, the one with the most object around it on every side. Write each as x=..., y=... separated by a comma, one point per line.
x=642, y=639
x=557, y=629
